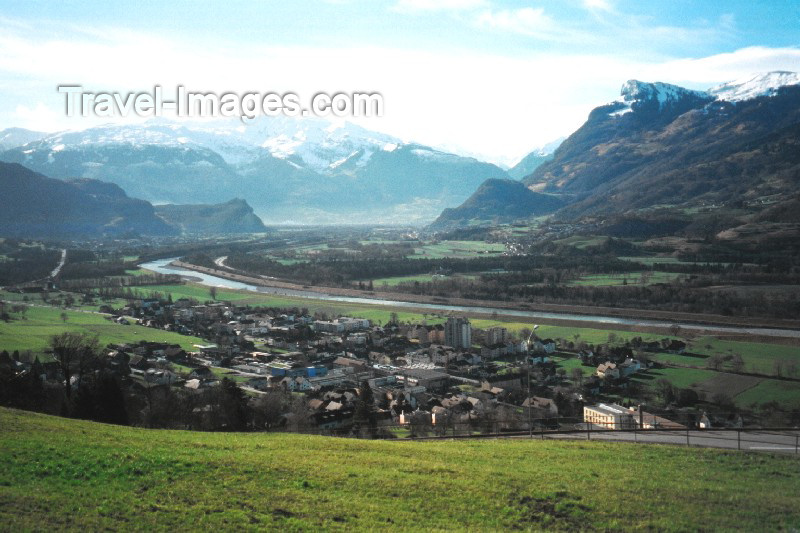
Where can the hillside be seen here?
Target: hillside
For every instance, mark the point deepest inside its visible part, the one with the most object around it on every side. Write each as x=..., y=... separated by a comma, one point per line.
x=32, y=205
x=235, y=216
x=661, y=145
x=497, y=201
x=61, y=473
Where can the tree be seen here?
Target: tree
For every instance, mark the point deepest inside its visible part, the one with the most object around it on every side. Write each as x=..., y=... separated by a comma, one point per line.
x=269, y=409
x=737, y=363
x=666, y=391
x=101, y=399
x=687, y=397
x=364, y=415
x=715, y=362
x=64, y=317
x=75, y=353
x=213, y=292
x=577, y=376
x=675, y=330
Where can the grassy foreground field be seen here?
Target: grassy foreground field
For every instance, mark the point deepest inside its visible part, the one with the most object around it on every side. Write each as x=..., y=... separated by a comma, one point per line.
x=68, y=474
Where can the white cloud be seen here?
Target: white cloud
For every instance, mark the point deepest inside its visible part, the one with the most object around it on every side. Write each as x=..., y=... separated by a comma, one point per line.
x=412, y=6
x=598, y=5
x=497, y=106
x=526, y=21
x=38, y=117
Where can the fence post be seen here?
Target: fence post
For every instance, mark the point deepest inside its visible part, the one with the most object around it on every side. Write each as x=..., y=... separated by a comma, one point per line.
x=588, y=431
x=542, y=431
x=687, y=436
x=738, y=439
x=796, y=444
x=634, y=434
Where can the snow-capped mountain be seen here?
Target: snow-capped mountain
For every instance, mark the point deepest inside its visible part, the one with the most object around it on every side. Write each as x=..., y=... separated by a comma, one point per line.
x=536, y=157
x=317, y=144
x=13, y=137
x=677, y=147
x=283, y=166
x=665, y=93
x=754, y=86
x=636, y=93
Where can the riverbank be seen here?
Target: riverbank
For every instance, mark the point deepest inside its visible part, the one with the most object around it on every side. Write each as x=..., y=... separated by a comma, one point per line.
x=628, y=319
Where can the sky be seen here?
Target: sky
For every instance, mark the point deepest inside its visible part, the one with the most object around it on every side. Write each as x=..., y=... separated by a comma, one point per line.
x=479, y=77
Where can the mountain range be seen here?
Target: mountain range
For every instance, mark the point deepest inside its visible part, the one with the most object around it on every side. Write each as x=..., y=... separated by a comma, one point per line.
x=663, y=147
x=290, y=170
x=35, y=206
x=657, y=146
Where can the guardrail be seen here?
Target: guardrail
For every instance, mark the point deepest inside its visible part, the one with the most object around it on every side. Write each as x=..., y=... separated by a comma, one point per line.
x=768, y=439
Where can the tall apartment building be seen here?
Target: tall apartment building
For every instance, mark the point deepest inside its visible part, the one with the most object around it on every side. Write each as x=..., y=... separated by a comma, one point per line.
x=458, y=333
x=496, y=335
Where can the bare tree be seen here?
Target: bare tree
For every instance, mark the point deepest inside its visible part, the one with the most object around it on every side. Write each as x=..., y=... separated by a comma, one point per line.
x=74, y=353
x=715, y=362
x=213, y=292
x=577, y=376
x=64, y=317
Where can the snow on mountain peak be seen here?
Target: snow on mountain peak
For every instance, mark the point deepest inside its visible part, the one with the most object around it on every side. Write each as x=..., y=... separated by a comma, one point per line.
x=637, y=91
x=754, y=86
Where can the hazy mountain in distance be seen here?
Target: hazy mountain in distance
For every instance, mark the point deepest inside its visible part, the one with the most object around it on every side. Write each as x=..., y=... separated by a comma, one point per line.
x=13, y=137
x=304, y=170
x=235, y=216
x=497, y=201
x=531, y=162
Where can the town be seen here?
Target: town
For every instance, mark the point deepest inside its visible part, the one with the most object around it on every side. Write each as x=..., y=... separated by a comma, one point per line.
x=268, y=368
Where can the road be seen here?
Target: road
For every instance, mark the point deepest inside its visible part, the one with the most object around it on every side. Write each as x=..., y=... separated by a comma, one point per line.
x=63, y=260
x=210, y=277
x=753, y=440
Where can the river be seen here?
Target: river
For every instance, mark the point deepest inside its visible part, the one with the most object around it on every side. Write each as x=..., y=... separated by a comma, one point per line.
x=163, y=266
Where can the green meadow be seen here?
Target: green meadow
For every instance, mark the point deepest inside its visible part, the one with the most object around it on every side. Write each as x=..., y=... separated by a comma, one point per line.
x=68, y=474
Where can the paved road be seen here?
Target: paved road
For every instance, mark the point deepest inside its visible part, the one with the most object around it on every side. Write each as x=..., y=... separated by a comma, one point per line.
x=756, y=440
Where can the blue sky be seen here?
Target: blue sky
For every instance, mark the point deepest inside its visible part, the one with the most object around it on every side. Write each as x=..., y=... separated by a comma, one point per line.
x=490, y=78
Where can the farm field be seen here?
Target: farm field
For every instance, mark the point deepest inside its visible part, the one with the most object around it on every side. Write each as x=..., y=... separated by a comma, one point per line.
x=422, y=278
x=786, y=393
x=136, y=479
x=630, y=278
x=40, y=323
x=458, y=249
